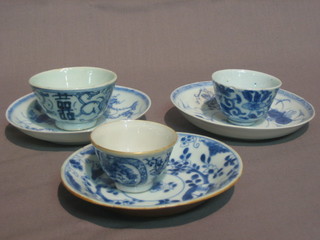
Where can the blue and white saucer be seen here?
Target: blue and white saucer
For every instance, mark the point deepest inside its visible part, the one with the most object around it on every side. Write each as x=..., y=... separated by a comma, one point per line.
x=199, y=169
x=27, y=115
x=196, y=101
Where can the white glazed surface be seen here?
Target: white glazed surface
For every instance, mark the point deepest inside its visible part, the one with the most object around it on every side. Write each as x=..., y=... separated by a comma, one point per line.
x=73, y=78
x=199, y=169
x=27, y=116
x=244, y=96
x=246, y=79
x=74, y=97
x=195, y=101
x=133, y=136
x=134, y=153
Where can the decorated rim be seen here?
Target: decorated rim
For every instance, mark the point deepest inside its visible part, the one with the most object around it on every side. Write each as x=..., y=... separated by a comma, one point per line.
x=100, y=147
x=10, y=110
x=155, y=207
x=277, y=82
x=183, y=88
x=36, y=81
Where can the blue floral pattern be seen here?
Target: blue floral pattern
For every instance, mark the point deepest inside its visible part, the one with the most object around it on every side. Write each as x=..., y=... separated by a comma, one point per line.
x=286, y=110
x=244, y=107
x=199, y=168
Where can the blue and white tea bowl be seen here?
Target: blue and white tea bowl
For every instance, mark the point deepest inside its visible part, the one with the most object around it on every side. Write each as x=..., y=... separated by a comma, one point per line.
x=134, y=153
x=244, y=96
x=74, y=97
x=199, y=169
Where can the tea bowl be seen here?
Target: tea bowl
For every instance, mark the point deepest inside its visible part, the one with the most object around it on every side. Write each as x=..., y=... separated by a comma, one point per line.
x=74, y=97
x=134, y=153
x=244, y=96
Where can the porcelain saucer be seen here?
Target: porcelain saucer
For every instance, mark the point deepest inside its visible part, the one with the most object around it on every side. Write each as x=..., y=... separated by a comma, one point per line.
x=196, y=101
x=27, y=115
x=199, y=169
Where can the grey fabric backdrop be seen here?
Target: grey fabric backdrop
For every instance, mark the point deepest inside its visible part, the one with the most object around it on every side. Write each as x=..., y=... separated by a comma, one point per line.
x=156, y=46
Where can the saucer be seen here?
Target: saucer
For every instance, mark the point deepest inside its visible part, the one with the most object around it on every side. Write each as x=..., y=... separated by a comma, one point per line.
x=199, y=169
x=196, y=101
x=27, y=115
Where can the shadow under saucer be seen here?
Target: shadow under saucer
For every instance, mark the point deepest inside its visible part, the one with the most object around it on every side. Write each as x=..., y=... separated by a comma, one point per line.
x=18, y=138
x=106, y=217
x=178, y=122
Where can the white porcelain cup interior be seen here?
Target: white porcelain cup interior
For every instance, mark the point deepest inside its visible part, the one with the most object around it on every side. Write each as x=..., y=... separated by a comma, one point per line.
x=246, y=79
x=74, y=97
x=133, y=137
x=134, y=153
x=73, y=78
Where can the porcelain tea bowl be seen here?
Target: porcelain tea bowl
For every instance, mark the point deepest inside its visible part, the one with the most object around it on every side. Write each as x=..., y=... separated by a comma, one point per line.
x=244, y=96
x=74, y=97
x=134, y=153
